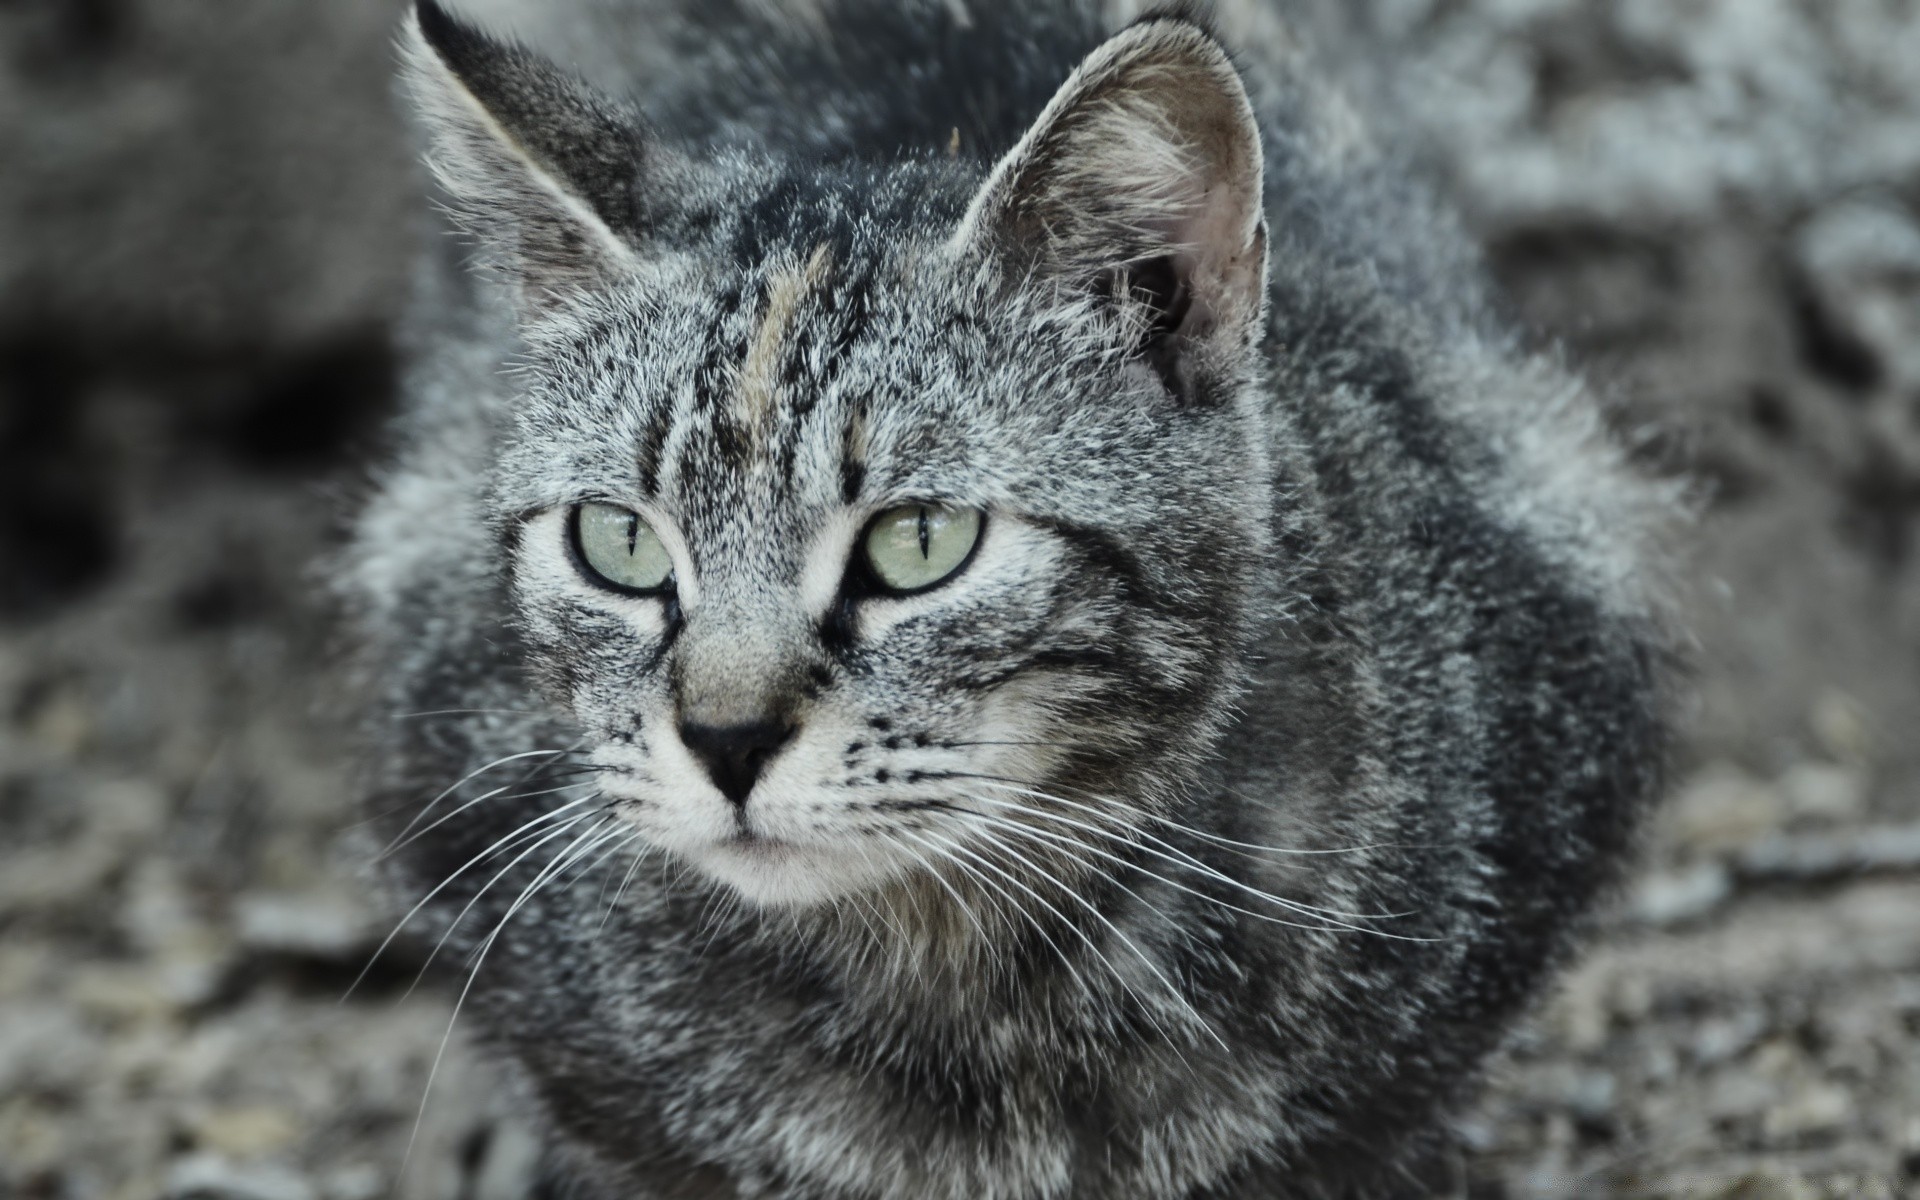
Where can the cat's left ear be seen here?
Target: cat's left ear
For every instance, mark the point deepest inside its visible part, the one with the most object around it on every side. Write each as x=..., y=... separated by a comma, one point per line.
x=1140, y=183
x=552, y=177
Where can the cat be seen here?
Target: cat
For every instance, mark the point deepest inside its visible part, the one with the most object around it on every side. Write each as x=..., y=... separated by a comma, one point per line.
x=981, y=603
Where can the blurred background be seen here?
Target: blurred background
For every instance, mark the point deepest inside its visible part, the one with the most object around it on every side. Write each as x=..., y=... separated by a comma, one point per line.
x=206, y=216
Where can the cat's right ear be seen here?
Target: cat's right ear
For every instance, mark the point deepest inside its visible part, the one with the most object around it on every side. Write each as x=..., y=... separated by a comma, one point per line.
x=544, y=171
x=1140, y=184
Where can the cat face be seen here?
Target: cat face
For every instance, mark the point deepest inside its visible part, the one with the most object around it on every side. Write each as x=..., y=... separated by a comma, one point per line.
x=850, y=538
x=1078, y=622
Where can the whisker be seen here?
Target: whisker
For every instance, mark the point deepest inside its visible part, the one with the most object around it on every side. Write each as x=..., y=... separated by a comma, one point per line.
x=497, y=847
x=1139, y=814
x=715, y=911
x=502, y=873
x=900, y=942
x=633, y=868
x=1145, y=1008
x=462, y=782
x=621, y=839
x=1007, y=742
x=1328, y=924
x=1013, y=904
x=1172, y=989
x=863, y=912
x=965, y=908
x=433, y=1071
x=1183, y=856
x=445, y=817
x=1180, y=858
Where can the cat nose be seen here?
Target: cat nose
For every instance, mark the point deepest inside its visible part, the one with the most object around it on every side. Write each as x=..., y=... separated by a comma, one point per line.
x=735, y=754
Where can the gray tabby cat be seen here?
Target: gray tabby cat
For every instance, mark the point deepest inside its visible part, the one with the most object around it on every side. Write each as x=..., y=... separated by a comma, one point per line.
x=975, y=606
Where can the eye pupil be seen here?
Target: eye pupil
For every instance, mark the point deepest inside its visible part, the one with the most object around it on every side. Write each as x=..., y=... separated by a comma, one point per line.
x=915, y=546
x=618, y=548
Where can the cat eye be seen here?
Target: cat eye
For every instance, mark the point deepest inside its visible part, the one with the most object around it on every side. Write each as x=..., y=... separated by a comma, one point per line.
x=620, y=550
x=915, y=546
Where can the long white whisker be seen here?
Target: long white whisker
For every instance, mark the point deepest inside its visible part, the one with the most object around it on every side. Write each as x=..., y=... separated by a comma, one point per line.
x=721, y=904
x=469, y=777
x=1138, y=814
x=480, y=799
x=462, y=712
x=498, y=846
x=1326, y=925
x=863, y=911
x=585, y=843
x=899, y=943
x=502, y=873
x=965, y=908
x=633, y=868
x=1172, y=989
x=479, y=957
x=1145, y=1008
x=950, y=854
x=620, y=839
x=1180, y=857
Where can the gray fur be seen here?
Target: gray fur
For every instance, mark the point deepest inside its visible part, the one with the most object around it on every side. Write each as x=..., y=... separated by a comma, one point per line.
x=1199, y=838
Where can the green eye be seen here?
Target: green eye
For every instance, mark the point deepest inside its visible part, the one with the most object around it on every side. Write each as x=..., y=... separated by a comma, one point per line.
x=915, y=546
x=620, y=549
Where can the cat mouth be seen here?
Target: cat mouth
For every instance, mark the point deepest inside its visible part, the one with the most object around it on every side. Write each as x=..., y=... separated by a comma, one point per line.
x=786, y=872
x=745, y=840
x=756, y=846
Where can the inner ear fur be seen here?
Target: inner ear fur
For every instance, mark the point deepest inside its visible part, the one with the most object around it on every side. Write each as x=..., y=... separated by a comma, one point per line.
x=549, y=174
x=1140, y=183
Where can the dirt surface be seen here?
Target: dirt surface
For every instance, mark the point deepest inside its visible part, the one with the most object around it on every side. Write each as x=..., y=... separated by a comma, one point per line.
x=204, y=221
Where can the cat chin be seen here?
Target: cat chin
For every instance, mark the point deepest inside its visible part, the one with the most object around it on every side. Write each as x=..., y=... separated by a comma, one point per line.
x=777, y=874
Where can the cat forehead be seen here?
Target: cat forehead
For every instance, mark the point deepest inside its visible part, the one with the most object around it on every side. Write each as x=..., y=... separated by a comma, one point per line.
x=823, y=372
x=790, y=277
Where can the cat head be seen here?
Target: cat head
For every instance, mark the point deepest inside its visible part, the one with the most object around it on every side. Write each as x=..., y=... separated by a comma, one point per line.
x=856, y=511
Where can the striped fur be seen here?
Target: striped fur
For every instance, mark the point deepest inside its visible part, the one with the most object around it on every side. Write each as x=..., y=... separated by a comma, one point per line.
x=1200, y=837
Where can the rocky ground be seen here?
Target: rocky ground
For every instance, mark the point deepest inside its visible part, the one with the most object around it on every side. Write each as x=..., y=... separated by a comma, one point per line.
x=1713, y=204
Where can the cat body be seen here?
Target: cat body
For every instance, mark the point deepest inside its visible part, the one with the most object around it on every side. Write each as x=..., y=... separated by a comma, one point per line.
x=1201, y=831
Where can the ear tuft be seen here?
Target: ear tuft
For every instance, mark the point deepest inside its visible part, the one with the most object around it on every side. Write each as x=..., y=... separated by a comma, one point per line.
x=1141, y=182
x=548, y=173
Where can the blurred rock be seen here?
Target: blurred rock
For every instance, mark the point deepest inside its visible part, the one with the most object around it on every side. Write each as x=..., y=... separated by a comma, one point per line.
x=192, y=971
x=1723, y=808
x=157, y=908
x=1738, y=1094
x=62, y=725
x=1860, y=261
x=329, y=926
x=211, y=1177
x=122, y=993
x=245, y=1133
x=360, y=1181
x=509, y=1169
x=1809, y=858
x=128, y=811
x=1724, y=1038
x=1824, y=793
x=43, y=1049
x=1841, y=727
x=1651, y=112
x=1816, y=1109
x=56, y=877
x=1673, y=897
x=1759, y=1185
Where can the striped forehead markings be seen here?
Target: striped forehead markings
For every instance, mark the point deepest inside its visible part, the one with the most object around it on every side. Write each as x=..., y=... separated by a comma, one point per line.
x=757, y=384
